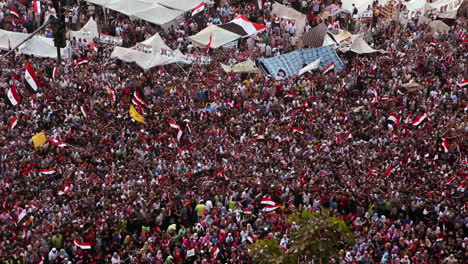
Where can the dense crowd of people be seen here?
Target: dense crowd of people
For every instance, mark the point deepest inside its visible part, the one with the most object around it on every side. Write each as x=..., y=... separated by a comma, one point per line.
x=148, y=193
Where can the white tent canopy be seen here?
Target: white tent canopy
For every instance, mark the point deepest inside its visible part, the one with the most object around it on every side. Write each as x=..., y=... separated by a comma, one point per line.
x=158, y=14
x=183, y=5
x=148, y=10
x=220, y=37
x=37, y=46
x=149, y=60
x=88, y=31
x=361, y=5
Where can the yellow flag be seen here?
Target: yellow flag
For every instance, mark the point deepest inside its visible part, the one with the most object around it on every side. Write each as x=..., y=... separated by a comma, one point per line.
x=135, y=115
x=39, y=139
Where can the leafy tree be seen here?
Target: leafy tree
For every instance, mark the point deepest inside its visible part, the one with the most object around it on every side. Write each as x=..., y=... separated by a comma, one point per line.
x=320, y=236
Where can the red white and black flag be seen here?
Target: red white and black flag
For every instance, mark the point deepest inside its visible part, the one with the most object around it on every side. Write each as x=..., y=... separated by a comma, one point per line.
x=30, y=79
x=13, y=96
x=37, y=6
x=329, y=68
x=393, y=121
x=199, y=8
x=419, y=120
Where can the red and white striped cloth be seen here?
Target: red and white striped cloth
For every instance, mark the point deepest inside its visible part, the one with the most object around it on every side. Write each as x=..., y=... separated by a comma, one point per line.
x=47, y=171
x=82, y=245
x=65, y=190
x=13, y=122
x=267, y=201
x=57, y=143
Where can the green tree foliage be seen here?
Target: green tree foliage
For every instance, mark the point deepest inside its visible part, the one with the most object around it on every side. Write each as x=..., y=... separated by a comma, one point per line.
x=320, y=236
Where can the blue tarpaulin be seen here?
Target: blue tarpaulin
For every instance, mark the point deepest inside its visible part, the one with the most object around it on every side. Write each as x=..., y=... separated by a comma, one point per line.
x=291, y=63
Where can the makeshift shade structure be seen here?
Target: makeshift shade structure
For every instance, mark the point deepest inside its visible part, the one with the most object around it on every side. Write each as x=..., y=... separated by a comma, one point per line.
x=148, y=10
x=289, y=64
x=361, y=5
x=182, y=5
x=360, y=46
x=89, y=31
x=159, y=15
x=37, y=46
x=438, y=26
x=226, y=33
x=150, y=53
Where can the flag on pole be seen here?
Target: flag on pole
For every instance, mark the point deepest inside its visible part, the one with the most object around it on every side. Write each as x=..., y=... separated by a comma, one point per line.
x=13, y=122
x=82, y=245
x=138, y=104
x=329, y=68
x=199, y=8
x=176, y=126
x=13, y=96
x=389, y=171
x=65, y=190
x=463, y=83
x=267, y=201
x=298, y=130
x=31, y=80
x=37, y=6
x=55, y=73
x=57, y=143
x=137, y=97
x=14, y=12
x=83, y=111
x=445, y=145
x=81, y=61
x=419, y=120
x=21, y=214
x=47, y=171
x=208, y=46
x=215, y=252
x=261, y=4
x=270, y=208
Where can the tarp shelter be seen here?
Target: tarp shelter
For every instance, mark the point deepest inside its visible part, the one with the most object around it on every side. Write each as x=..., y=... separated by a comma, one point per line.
x=147, y=54
x=360, y=46
x=226, y=33
x=247, y=66
x=283, y=11
x=89, y=31
x=37, y=46
x=442, y=6
x=438, y=26
x=182, y=5
x=422, y=20
x=291, y=63
x=314, y=38
x=148, y=10
x=159, y=15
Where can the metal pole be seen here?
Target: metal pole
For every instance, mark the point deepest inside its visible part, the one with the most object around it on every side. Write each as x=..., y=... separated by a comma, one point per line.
x=28, y=38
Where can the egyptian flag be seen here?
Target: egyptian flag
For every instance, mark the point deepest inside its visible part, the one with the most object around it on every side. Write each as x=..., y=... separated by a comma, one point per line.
x=13, y=97
x=13, y=122
x=260, y=136
x=267, y=201
x=40, y=261
x=445, y=145
x=298, y=130
x=65, y=190
x=137, y=97
x=21, y=214
x=329, y=68
x=463, y=83
x=57, y=143
x=47, y=171
x=208, y=46
x=14, y=12
x=261, y=4
x=433, y=43
x=247, y=211
x=215, y=252
x=31, y=80
x=393, y=121
x=419, y=120
x=81, y=61
x=290, y=95
x=179, y=130
x=199, y=8
x=82, y=245
x=83, y=111
x=389, y=171
x=270, y=208
x=37, y=6
x=55, y=73
x=93, y=47
x=389, y=58
x=112, y=96
x=141, y=110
